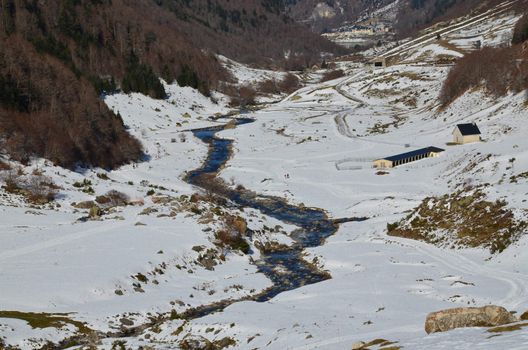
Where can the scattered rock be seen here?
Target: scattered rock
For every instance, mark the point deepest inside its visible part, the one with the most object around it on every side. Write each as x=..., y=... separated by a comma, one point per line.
x=84, y=205
x=161, y=199
x=193, y=342
x=137, y=202
x=487, y=316
x=208, y=259
x=359, y=345
x=198, y=248
x=126, y=322
x=148, y=211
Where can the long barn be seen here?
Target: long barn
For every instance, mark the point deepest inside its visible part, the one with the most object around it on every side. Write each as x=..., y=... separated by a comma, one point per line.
x=404, y=158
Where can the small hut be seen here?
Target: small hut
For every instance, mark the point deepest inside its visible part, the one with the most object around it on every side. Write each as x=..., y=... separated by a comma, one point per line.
x=379, y=62
x=466, y=133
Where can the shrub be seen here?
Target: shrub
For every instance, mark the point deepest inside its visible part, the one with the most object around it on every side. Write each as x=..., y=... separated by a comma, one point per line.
x=495, y=69
x=113, y=198
x=269, y=86
x=520, y=32
x=244, y=97
x=84, y=183
x=392, y=227
x=140, y=77
x=233, y=232
x=289, y=83
x=189, y=77
x=36, y=188
x=338, y=73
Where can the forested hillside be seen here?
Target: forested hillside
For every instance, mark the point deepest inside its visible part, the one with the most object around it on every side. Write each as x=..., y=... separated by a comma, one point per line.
x=57, y=57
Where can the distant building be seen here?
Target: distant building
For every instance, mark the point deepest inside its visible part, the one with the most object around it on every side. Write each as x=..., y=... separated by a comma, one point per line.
x=466, y=133
x=404, y=158
x=379, y=62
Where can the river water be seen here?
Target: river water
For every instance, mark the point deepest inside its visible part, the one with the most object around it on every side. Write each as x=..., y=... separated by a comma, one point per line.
x=285, y=268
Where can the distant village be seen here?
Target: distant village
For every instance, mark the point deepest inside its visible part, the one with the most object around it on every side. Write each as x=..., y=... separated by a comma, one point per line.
x=362, y=34
x=365, y=29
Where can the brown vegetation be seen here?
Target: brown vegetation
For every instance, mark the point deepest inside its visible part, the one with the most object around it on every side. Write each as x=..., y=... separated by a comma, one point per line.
x=56, y=58
x=36, y=187
x=335, y=74
x=497, y=70
x=243, y=96
x=462, y=218
x=113, y=198
x=233, y=232
x=520, y=32
x=288, y=84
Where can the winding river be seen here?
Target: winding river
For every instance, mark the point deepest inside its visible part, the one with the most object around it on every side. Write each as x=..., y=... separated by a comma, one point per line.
x=285, y=268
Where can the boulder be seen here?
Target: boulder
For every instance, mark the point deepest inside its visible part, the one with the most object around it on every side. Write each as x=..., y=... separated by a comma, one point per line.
x=194, y=342
x=487, y=316
x=84, y=205
x=359, y=345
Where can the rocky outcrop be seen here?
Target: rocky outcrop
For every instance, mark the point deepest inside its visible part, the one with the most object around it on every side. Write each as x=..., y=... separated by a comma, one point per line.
x=487, y=316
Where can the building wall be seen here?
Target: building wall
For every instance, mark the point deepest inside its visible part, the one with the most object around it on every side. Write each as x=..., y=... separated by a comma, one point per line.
x=379, y=62
x=457, y=136
x=382, y=164
x=471, y=138
x=461, y=139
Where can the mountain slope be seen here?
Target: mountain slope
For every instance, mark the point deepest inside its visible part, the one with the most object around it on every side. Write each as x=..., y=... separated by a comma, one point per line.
x=414, y=15
x=57, y=57
x=325, y=15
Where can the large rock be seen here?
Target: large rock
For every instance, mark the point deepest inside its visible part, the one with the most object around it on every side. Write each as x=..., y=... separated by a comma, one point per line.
x=487, y=316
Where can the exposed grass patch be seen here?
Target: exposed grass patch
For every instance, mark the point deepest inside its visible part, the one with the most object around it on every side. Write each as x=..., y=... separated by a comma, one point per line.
x=463, y=218
x=413, y=76
x=382, y=93
x=508, y=328
x=382, y=128
x=45, y=320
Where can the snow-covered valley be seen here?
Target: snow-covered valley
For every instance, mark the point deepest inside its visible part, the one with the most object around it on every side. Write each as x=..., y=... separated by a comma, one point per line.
x=130, y=276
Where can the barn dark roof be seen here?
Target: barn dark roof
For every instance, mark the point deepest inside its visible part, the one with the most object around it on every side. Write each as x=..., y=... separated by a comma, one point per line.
x=468, y=129
x=418, y=152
